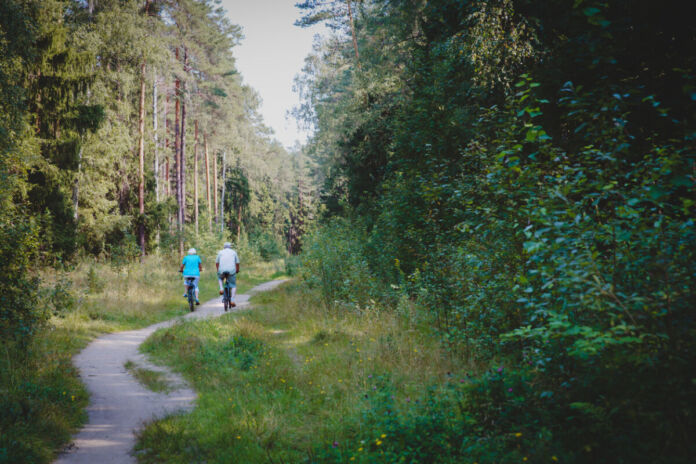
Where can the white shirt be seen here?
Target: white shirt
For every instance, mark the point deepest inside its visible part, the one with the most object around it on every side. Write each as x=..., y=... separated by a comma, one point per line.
x=227, y=259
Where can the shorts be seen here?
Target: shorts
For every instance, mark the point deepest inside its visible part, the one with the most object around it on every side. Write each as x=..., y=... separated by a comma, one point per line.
x=195, y=281
x=231, y=278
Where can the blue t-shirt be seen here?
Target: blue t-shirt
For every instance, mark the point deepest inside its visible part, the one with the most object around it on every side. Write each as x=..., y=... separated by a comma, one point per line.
x=191, y=263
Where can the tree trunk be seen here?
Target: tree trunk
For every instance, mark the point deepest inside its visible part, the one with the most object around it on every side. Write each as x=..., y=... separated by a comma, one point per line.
x=177, y=160
x=155, y=139
x=195, y=174
x=222, y=198
x=215, y=188
x=141, y=164
x=355, y=39
x=239, y=221
x=207, y=184
x=183, y=143
x=76, y=185
x=167, y=182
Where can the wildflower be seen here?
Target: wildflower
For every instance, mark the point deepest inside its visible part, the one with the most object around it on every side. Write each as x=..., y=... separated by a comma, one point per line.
x=352, y=458
x=383, y=436
x=524, y=458
x=378, y=442
x=500, y=369
x=360, y=449
x=239, y=437
x=335, y=444
x=510, y=390
x=554, y=458
x=518, y=434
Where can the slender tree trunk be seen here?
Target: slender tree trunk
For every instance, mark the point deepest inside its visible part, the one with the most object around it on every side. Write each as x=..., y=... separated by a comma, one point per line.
x=76, y=185
x=177, y=160
x=215, y=187
x=207, y=184
x=239, y=221
x=155, y=139
x=222, y=198
x=167, y=182
x=195, y=174
x=141, y=164
x=183, y=143
x=355, y=39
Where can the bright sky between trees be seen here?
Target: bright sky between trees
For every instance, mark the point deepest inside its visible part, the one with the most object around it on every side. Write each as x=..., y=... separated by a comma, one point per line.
x=270, y=55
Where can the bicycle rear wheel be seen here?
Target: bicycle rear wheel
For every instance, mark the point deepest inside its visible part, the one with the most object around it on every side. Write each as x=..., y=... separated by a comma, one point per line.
x=191, y=298
x=226, y=298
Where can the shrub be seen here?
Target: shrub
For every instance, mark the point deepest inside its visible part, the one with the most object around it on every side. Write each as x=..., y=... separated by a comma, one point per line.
x=334, y=262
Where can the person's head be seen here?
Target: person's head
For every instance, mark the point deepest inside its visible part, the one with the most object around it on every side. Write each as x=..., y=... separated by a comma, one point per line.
x=192, y=251
x=227, y=245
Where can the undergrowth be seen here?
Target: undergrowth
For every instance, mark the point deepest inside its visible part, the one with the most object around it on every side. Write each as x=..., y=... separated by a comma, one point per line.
x=41, y=397
x=288, y=378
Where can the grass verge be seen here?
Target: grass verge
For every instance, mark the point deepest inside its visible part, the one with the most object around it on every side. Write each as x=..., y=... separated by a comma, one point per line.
x=152, y=380
x=281, y=380
x=41, y=397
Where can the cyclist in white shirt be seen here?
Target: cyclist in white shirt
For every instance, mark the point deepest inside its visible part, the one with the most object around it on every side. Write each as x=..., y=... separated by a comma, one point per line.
x=227, y=262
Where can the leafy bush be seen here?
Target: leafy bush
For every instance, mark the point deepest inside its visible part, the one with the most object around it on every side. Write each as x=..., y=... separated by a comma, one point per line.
x=334, y=262
x=269, y=246
x=20, y=315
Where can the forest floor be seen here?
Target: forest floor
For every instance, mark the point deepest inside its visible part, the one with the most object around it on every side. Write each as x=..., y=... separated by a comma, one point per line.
x=119, y=403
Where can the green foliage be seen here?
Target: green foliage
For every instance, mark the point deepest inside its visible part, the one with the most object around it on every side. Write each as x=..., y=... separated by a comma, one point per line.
x=335, y=263
x=531, y=187
x=60, y=296
x=20, y=314
x=269, y=246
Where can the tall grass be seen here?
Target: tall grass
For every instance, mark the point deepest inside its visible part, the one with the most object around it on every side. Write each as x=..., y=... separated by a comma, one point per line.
x=41, y=398
x=288, y=377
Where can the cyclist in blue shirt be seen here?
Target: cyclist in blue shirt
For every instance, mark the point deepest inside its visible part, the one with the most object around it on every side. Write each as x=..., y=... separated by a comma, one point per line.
x=191, y=266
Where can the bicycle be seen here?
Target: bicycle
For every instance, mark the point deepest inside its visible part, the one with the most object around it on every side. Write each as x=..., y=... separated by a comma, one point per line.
x=227, y=291
x=191, y=292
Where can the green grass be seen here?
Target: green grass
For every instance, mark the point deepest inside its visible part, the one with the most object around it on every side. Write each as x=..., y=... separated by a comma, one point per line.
x=152, y=380
x=285, y=377
x=41, y=397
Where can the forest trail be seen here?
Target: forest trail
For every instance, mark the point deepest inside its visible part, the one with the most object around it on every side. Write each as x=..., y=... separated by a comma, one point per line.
x=119, y=404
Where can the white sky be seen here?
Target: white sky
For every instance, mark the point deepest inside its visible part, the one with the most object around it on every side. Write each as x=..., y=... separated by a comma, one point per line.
x=270, y=55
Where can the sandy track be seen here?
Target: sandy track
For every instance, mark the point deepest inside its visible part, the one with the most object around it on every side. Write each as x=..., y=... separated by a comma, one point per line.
x=119, y=405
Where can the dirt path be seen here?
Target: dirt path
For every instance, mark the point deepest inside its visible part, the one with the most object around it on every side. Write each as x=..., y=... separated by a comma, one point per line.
x=119, y=405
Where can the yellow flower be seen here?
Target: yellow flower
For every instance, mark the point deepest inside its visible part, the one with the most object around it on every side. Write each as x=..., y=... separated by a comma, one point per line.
x=554, y=458
x=353, y=458
x=282, y=380
x=518, y=434
x=360, y=449
x=524, y=458
x=379, y=442
x=239, y=437
x=383, y=436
